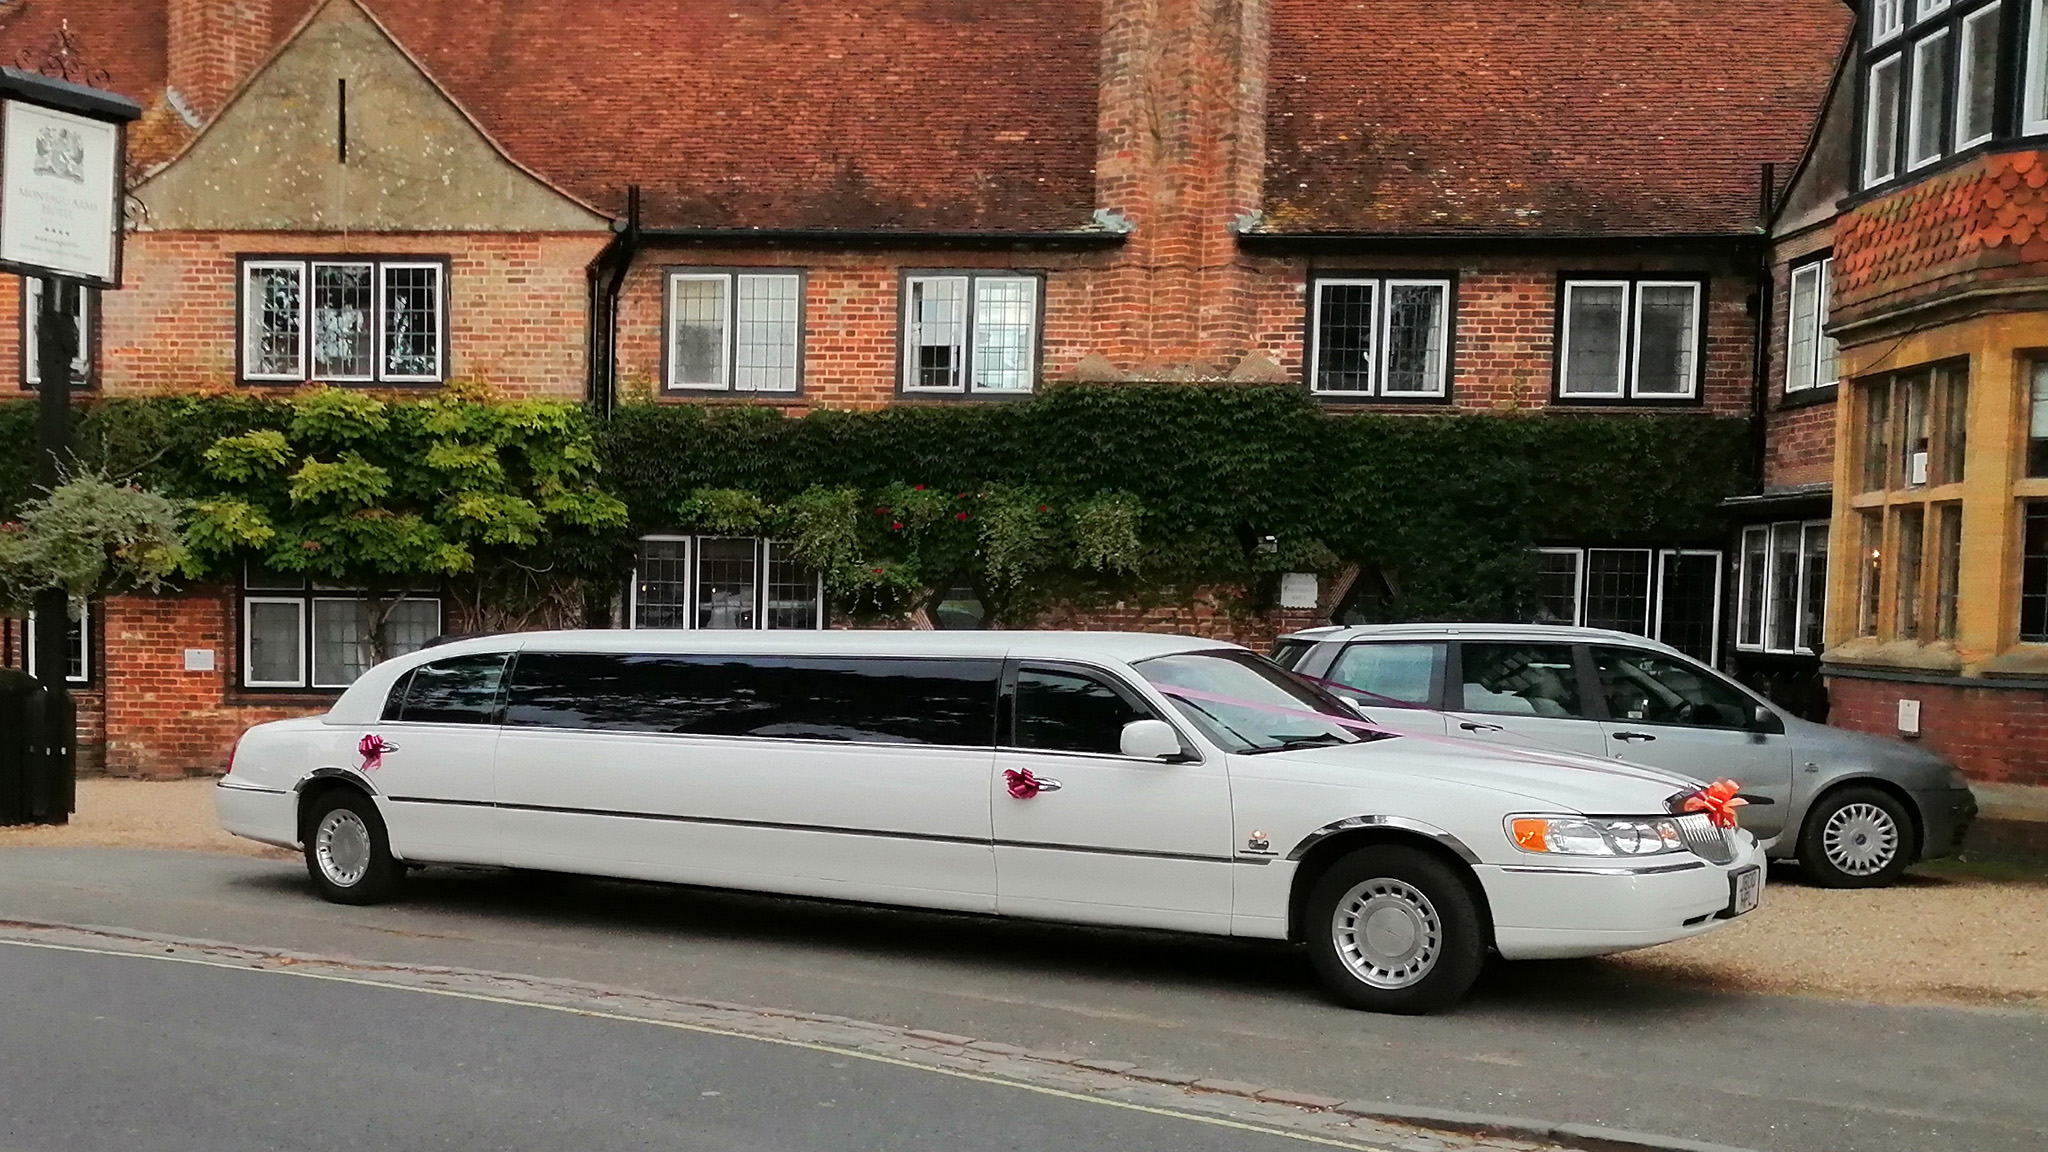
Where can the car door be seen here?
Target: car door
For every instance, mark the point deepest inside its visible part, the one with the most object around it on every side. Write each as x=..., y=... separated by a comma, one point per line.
x=1106, y=838
x=844, y=776
x=1670, y=713
x=1396, y=684
x=436, y=773
x=1524, y=694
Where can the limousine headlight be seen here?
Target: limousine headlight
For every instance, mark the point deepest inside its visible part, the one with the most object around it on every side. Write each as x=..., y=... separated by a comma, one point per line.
x=1595, y=835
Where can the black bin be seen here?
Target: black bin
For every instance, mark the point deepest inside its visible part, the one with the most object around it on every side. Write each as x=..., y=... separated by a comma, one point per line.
x=37, y=783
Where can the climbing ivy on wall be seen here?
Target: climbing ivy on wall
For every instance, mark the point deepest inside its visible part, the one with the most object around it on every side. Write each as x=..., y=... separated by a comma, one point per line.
x=1085, y=491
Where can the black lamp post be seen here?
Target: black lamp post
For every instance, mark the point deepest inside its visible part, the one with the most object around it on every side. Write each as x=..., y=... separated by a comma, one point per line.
x=62, y=160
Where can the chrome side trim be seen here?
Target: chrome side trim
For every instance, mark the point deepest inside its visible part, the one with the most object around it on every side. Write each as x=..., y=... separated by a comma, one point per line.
x=1646, y=870
x=239, y=786
x=348, y=774
x=1350, y=823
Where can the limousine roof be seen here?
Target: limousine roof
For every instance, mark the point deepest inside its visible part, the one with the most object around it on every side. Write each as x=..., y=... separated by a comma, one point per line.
x=1123, y=646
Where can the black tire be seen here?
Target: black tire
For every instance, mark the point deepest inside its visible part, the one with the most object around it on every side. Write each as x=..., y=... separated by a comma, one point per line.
x=1417, y=894
x=348, y=854
x=1856, y=837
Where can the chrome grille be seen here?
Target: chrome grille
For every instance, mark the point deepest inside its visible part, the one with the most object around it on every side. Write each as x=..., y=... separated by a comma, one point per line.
x=1705, y=840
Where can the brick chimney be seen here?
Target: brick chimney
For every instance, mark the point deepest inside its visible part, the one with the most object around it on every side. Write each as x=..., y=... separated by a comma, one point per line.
x=214, y=44
x=1180, y=154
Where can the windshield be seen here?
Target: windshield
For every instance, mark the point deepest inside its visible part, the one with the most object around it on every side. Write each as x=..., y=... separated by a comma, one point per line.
x=1246, y=703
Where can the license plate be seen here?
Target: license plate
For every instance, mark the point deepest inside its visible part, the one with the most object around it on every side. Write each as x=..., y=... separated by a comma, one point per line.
x=1745, y=891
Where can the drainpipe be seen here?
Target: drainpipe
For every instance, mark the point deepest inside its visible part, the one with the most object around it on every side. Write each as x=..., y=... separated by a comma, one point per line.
x=607, y=279
x=1760, y=404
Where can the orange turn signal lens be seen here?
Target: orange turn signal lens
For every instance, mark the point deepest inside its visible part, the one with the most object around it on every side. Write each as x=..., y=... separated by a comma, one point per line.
x=1531, y=834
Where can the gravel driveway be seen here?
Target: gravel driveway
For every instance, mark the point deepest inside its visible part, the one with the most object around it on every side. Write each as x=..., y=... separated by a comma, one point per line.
x=1942, y=936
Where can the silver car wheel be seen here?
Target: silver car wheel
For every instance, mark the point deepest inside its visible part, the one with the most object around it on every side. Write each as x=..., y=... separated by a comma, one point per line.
x=1387, y=933
x=342, y=846
x=1860, y=839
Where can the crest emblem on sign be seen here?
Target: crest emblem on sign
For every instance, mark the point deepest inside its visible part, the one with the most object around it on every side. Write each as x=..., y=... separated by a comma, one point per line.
x=60, y=152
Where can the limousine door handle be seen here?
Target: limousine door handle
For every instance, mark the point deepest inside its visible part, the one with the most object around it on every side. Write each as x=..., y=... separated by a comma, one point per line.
x=1475, y=726
x=1048, y=784
x=1632, y=737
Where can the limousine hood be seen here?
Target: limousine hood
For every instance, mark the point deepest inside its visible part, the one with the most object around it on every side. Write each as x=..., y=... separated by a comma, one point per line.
x=1550, y=780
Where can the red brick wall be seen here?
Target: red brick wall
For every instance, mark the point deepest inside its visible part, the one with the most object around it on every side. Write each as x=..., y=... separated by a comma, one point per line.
x=517, y=307
x=213, y=44
x=1997, y=735
x=1799, y=446
x=162, y=720
x=1206, y=613
x=1984, y=221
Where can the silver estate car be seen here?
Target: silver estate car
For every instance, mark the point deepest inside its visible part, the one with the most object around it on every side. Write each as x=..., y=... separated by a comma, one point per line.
x=1853, y=809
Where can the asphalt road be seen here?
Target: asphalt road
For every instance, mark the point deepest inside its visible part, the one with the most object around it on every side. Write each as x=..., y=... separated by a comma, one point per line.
x=130, y=1052
x=1567, y=1042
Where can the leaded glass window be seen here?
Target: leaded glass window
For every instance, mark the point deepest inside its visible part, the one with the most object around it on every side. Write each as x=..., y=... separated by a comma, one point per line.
x=344, y=320
x=970, y=333
x=412, y=321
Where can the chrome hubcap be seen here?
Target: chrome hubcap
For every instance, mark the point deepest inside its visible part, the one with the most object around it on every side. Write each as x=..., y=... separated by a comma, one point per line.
x=1860, y=839
x=342, y=846
x=1387, y=933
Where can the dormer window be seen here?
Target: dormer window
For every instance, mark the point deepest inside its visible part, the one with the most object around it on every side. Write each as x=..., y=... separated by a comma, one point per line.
x=1930, y=82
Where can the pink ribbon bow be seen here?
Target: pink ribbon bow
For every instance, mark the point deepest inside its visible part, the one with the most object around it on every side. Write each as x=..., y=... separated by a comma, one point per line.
x=373, y=749
x=1023, y=785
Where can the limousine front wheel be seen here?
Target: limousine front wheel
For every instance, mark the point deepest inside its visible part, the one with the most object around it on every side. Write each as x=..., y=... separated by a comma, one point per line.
x=347, y=852
x=1394, y=929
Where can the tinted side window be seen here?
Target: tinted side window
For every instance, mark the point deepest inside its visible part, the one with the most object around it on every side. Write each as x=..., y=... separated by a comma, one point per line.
x=1288, y=653
x=1383, y=672
x=1521, y=680
x=395, y=702
x=459, y=690
x=1659, y=690
x=896, y=701
x=1070, y=712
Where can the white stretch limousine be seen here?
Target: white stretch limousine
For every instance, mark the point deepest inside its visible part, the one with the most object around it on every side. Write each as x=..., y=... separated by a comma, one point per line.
x=1155, y=781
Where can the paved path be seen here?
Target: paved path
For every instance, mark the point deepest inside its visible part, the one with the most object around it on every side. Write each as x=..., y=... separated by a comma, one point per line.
x=1563, y=1042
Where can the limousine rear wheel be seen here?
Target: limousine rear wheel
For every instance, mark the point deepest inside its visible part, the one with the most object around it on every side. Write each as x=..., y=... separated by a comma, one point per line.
x=1395, y=929
x=347, y=852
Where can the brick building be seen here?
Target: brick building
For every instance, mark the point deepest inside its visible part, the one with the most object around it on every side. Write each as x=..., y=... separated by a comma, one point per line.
x=1536, y=211
x=1908, y=413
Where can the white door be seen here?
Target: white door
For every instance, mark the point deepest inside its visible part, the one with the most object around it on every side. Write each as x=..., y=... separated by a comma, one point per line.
x=435, y=776
x=1107, y=839
x=1395, y=684
x=843, y=777
x=1527, y=695
x=1671, y=714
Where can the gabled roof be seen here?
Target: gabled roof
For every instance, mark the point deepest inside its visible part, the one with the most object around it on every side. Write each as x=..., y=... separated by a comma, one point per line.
x=1539, y=117
x=915, y=114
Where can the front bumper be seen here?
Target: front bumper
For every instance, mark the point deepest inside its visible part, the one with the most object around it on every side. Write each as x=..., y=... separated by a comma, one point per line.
x=1945, y=817
x=1543, y=911
x=262, y=814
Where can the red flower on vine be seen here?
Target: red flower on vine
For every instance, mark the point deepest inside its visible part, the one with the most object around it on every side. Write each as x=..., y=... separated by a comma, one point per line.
x=1043, y=508
x=918, y=487
x=878, y=571
x=959, y=515
x=896, y=526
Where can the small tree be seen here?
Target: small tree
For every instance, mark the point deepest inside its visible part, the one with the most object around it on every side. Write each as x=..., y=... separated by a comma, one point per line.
x=88, y=536
x=500, y=497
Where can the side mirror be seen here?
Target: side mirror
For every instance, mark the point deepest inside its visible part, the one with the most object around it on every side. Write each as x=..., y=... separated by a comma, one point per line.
x=1149, y=740
x=1762, y=719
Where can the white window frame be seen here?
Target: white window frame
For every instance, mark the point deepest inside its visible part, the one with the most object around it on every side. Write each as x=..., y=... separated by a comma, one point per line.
x=969, y=344
x=1439, y=371
x=725, y=314
x=1986, y=16
x=1664, y=558
x=1922, y=9
x=303, y=605
x=1634, y=302
x=693, y=556
x=1373, y=325
x=31, y=309
x=309, y=308
x=2034, y=118
x=1887, y=19
x=1564, y=342
x=1927, y=51
x=1766, y=605
x=1871, y=176
x=1578, y=556
x=252, y=316
x=311, y=623
x=28, y=660
x=380, y=337
x=1822, y=272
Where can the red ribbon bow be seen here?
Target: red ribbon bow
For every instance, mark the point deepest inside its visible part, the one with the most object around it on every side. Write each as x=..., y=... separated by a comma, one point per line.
x=1718, y=800
x=1023, y=785
x=372, y=750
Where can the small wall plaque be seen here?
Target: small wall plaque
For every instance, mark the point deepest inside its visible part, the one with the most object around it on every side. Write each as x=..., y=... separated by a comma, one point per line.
x=198, y=659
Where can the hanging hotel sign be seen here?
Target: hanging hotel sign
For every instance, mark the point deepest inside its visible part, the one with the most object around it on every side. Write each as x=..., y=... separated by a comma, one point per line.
x=61, y=168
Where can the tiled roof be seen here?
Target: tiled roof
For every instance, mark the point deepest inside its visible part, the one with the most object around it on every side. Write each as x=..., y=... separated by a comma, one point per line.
x=915, y=114
x=118, y=44
x=1564, y=117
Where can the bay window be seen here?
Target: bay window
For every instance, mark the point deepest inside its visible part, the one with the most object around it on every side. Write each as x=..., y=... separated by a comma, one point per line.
x=1930, y=82
x=734, y=331
x=343, y=319
x=1629, y=339
x=722, y=582
x=970, y=333
x=1380, y=336
x=1881, y=120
